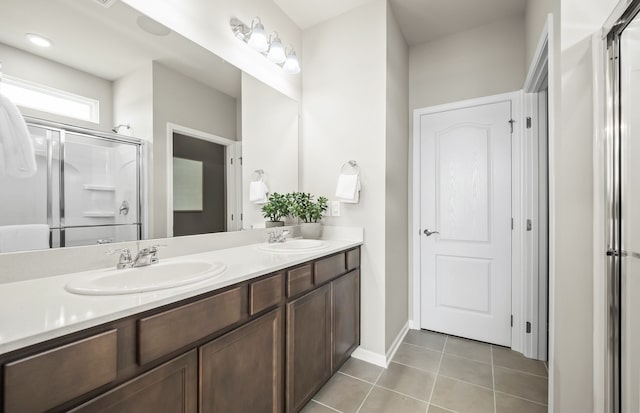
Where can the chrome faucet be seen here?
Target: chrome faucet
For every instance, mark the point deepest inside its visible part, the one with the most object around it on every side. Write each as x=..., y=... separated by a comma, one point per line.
x=144, y=257
x=278, y=236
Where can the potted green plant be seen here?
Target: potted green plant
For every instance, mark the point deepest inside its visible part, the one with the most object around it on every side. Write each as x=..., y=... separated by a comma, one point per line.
x=277, y=208
x=309, y=212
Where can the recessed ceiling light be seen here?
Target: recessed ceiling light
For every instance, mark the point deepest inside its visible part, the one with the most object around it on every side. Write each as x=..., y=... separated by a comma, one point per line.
x=38, y=40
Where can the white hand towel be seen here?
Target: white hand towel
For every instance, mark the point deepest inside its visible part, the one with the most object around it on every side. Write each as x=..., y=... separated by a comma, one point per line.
x=348, y=188
x=15, y=238
x=17, y=147
x=258, y=192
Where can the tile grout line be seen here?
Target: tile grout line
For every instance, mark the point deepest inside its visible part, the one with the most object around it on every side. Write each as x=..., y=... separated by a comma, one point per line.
x=423, y=347
x=435, y=380
x=328, y=407
x=370, y=390
x=521, y=398
x=354, y=377
x=443, y=408
x=523, y=372
x=493, y=379
x=401, y=394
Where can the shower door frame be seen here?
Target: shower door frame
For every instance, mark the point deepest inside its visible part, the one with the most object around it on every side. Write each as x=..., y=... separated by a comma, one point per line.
x=624, y=13
x=63, y=129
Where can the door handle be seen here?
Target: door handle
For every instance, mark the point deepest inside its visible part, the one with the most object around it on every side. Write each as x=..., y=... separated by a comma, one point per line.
x=430, y=233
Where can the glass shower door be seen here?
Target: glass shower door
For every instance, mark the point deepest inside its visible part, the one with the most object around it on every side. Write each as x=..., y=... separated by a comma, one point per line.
x=629, y=222
x=101, y=190
x=34, y=200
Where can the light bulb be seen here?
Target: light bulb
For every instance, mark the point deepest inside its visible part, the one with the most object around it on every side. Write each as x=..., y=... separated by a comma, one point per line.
x=276, y=52
x=258, y=38
x=38, y=40
x=292, y=65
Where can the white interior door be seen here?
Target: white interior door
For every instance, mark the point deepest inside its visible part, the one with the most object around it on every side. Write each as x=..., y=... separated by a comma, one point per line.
x=466, y=203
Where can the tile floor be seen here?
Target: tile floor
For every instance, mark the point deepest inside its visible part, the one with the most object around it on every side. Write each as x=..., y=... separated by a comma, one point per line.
x=436, y=373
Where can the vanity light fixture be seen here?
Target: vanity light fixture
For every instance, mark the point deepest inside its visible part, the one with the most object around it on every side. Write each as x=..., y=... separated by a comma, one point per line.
x=258, y=37
x=276, y=50
x=292, y=64
x=271, y=47
x=38, y=40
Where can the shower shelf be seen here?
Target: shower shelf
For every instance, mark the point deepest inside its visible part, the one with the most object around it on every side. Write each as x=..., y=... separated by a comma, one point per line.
x=90, y=187
x=99, y=214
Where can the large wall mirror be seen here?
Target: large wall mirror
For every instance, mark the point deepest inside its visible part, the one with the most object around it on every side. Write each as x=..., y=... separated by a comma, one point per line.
x=138, y=132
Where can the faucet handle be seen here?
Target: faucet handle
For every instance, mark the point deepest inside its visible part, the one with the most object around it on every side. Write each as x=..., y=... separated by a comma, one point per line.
x=124, y=251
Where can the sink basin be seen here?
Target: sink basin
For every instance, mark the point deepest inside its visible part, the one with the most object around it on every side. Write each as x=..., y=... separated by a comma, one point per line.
x=143, y=279
x=295, y=246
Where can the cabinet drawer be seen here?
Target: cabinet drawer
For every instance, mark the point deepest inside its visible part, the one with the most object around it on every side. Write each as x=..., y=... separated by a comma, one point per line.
x=160, y=334
x=265, y=293
x=46, y=380
x=329, y=268
x=353, y=259
x=299, y=280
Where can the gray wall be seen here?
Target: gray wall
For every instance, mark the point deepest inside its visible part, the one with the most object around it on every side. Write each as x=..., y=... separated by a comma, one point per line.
x=27, y=66
x=483, y=61
x=344, y=114
x=181, y=100
x=397, y=190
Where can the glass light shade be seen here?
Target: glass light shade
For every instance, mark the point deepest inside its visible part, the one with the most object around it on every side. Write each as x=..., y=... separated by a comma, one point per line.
x=292, y=65
x=258, y=38
x=38, y=40
x=276, y=52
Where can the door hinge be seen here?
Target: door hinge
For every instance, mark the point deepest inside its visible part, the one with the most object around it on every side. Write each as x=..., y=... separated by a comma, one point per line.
x=511, y=320
x=232, y=217
x=613, y=253
x=528, y=122
x=231, y=161
x=511, y=224
x=528, y=327
x=511, y=122
x=529, y=225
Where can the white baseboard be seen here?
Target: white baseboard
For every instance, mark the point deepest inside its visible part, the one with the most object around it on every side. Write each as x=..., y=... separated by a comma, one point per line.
x=396, y=343
x=380, y=359
x=370, y=357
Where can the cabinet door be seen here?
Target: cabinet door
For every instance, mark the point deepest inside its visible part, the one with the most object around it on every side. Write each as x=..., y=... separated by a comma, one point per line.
x=242, y=371
x=169, y=388
x=346, y=317
x=308, y=346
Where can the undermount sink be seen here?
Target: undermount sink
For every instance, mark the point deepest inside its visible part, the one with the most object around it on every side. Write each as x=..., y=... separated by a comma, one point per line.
x=294, y=246
x=143, y=279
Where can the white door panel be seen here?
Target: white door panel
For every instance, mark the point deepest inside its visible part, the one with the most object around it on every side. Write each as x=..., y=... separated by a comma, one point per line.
x=466, y=198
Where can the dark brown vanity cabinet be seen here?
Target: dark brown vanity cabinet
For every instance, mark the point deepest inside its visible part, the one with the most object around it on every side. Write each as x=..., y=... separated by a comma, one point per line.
x=169, y=388
x=346, y=317
x=308, y=346
x=323, y=328
x=242, y=371
x=263, y=345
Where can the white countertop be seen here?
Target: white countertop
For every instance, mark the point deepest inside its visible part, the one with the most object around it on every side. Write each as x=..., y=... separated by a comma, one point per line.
x=41, y=309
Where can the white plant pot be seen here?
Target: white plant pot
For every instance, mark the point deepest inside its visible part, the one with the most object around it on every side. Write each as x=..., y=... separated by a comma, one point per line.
x=273, y=224
x=311, y=230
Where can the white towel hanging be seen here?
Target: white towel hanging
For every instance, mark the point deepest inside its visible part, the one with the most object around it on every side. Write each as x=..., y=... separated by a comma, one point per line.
x=348, y=187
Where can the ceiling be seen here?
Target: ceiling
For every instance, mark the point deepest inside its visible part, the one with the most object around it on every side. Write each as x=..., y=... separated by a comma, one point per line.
x=108, y=43
x=308, y=13
x=421, y=21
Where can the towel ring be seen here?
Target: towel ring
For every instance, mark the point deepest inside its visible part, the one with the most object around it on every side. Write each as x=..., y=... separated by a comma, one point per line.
x=353, y=165
x=259, y=173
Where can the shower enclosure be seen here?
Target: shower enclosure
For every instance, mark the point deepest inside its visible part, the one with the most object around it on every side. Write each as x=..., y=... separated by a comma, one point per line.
x=87, y=188
x=623, y=193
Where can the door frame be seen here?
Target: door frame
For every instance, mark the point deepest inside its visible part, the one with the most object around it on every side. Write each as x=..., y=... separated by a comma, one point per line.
x=233, y=173
x=517, y=194
x=536, y=288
